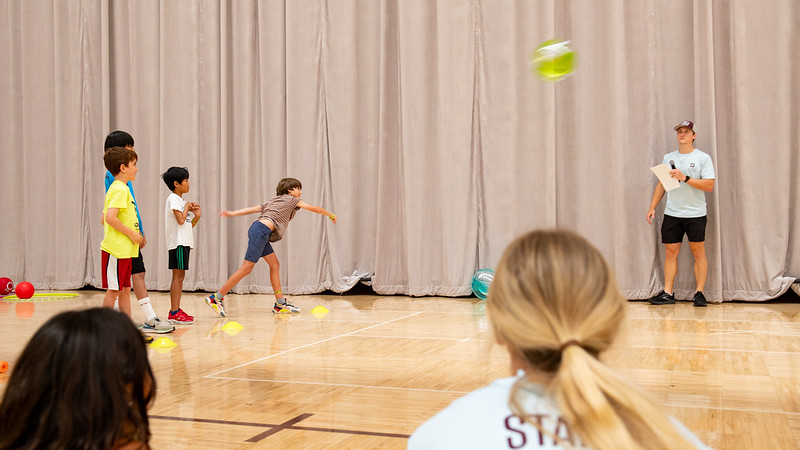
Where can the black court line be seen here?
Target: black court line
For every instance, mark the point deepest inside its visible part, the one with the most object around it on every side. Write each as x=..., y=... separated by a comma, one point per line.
x=280, y=427
x=288, y=425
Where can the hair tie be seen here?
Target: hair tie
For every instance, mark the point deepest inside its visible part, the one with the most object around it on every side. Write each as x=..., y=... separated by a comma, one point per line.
x=568, y=343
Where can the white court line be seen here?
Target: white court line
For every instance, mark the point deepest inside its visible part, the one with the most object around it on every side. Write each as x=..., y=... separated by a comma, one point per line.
x=709, y=349
x=770, y=333
x=339, y=384
x=420, y=338
x=672, y=405
x=313, y=343
x=694, y=319
x=760, y=411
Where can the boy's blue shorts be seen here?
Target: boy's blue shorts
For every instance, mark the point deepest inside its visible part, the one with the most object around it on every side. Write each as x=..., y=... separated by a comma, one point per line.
x=258, y=245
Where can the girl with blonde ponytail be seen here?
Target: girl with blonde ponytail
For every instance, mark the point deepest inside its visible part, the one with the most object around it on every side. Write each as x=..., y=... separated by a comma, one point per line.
x=555, y=306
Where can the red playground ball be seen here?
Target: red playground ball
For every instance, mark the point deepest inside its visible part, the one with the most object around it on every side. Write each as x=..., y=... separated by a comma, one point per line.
x=6, y=286
x=24, y=290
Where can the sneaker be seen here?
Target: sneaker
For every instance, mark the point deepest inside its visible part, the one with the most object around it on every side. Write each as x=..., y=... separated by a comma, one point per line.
x=180, y=318
x=223, y=310
x=663, y=299
x=156, y=325
x=215, y=302
x=285, y=308
x=147, y=339
x=700, y=299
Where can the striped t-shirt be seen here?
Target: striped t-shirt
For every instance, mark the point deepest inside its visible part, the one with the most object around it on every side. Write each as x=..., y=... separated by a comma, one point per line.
x=280, y=210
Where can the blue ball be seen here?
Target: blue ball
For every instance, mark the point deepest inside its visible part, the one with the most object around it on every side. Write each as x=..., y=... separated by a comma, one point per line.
x=481, y=281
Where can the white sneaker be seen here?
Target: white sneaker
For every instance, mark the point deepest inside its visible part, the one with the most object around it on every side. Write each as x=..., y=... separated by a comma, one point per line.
x=156, y=325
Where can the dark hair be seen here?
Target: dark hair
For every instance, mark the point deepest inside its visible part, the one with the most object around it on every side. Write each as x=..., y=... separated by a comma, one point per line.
x=175, y=175
x=83, y=381
x=286, y=185
x=117, y=156
x=118, y=139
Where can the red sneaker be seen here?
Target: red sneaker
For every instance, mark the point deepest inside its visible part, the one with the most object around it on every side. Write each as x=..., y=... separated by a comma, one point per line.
x=180, y=318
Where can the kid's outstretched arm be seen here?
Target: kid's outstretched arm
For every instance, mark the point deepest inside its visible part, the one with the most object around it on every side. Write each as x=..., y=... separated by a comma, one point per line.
x=240, y=212
x=318, y=210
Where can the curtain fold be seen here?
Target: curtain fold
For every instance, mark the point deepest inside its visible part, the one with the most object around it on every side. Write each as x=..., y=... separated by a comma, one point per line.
x=418, y=123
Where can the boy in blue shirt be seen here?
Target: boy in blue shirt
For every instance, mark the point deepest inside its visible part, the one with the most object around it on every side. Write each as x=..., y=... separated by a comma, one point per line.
x=152, y=323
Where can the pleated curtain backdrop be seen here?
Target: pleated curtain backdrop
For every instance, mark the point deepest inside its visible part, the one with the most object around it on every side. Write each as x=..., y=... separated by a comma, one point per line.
x=419, y=123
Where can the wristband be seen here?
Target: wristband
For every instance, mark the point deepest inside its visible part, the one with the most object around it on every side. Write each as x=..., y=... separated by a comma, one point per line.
x=332, y=216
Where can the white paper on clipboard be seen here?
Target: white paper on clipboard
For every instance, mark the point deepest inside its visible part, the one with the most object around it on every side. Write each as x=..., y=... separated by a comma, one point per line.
x=662, y=172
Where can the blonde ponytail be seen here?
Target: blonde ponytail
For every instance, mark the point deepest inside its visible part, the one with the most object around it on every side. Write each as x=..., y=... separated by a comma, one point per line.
x=554, y=302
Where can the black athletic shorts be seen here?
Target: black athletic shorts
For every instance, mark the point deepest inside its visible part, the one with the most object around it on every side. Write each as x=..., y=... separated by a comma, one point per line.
x=179, y=258
x=673, y=229
x=137, y=264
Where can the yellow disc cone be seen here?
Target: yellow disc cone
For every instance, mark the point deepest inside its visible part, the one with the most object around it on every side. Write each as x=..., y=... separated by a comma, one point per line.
x=319, y=312
x=232, y=328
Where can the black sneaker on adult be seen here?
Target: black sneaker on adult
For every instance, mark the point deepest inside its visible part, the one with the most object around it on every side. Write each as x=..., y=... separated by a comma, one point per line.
x=700, y=299
x=663, y=299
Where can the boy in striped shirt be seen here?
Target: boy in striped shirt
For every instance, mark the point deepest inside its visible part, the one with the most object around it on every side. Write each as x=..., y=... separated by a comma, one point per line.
x=268, y=227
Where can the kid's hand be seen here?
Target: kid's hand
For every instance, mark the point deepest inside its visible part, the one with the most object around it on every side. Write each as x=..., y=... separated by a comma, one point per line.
x=333, y=217
x=197, y=212
x=225, y=213
x=137, y=239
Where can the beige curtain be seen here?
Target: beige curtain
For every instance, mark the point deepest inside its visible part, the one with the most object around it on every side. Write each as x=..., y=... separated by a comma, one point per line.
x=418, y=123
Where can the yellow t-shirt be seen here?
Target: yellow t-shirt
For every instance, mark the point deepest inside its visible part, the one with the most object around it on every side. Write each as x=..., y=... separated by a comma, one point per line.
x=114, y=242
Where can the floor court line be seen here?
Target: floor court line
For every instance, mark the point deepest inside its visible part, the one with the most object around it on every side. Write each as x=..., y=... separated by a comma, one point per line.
x=278, y=428
x=420, y=338
x=312, y=344
x=708, y=349
x=768, y=333
x=289, y=427
x=716, y=408
x=365, y=386
x=694, y=319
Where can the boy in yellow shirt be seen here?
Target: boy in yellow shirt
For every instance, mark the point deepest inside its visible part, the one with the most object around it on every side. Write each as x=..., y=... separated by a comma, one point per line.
x=121, y=236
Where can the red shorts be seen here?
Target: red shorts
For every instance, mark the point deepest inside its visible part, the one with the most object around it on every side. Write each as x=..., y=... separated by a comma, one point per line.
x=116, y=272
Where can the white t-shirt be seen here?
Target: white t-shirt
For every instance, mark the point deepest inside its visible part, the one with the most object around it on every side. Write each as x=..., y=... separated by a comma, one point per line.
x=688, y=201
x=177, y=234
x=483, y=420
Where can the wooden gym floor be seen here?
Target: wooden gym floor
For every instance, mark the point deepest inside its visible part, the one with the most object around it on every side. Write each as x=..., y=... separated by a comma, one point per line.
x=373, y=368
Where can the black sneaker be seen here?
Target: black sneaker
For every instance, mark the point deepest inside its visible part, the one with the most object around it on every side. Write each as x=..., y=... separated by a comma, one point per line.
x=700, y=299
x=663, y=299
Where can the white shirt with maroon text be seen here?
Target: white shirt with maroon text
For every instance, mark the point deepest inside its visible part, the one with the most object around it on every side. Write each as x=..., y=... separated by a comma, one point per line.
x=483, y=420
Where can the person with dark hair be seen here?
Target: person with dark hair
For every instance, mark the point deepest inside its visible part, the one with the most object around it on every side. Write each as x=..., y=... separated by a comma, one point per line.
x=180, y=217
x=152, y=323
x=121, y=236
x=82, y=381
x=684, y=213
x=555, y=326
x=268, y=227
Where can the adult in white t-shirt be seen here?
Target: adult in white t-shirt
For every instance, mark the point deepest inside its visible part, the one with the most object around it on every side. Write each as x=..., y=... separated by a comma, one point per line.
x=554, y=325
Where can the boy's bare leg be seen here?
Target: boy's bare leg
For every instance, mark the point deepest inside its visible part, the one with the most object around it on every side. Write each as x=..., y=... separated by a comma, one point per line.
x=125, y=301
x=237, y=276
x=109, y=298
x=274, y=274
x=176, y=289
x=139, y=288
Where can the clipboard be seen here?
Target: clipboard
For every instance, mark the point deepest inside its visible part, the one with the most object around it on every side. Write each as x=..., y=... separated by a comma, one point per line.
x=662, y=172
